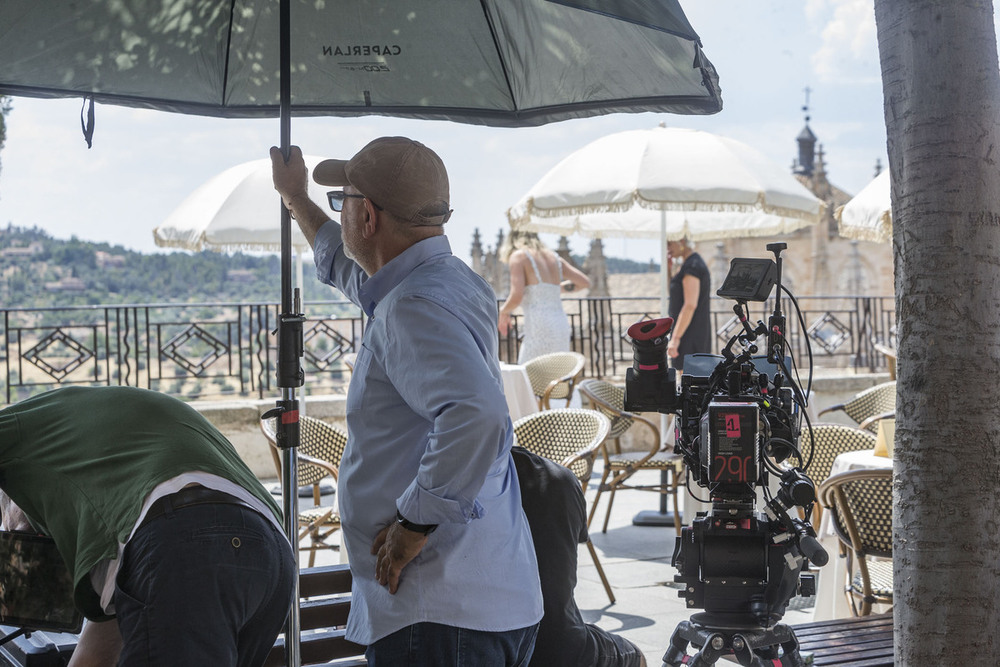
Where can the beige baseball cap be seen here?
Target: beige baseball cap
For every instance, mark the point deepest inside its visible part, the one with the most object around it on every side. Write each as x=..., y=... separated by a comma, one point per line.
x=400, y=175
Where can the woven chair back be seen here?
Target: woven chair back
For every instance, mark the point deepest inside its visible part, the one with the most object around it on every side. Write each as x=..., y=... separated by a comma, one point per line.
x=876, y=400
x=832, y=440
x=609, y=400
x=862, y=510
x=317, y=439
x=543, y=370
x=561, y=434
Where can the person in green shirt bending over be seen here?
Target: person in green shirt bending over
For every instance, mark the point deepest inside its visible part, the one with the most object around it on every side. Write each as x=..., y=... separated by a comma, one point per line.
x=176, y=550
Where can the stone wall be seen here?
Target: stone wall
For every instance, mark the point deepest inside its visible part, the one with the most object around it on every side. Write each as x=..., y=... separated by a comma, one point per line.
x=240, y=422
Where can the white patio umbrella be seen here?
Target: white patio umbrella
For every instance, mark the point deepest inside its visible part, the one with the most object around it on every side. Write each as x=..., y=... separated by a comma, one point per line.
x=234, y=210
x=668, y=183
x=868, y=217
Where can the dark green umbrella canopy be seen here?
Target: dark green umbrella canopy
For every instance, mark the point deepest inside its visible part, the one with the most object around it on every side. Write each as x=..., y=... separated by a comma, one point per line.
x=491, y=62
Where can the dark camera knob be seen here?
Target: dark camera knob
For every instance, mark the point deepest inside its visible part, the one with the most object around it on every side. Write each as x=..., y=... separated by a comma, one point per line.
x=799, y=488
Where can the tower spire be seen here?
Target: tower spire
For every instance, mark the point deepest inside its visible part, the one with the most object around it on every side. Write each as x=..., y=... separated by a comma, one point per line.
x=807, y=144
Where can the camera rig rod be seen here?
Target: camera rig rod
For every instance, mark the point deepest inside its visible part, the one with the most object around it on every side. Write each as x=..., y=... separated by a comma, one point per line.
x=776, y=325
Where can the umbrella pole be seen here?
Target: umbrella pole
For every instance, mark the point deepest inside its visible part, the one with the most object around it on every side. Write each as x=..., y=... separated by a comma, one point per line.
x=661, y=517
x=290, y=374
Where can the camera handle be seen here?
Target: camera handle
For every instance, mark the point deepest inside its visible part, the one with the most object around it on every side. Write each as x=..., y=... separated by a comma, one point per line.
x=801, y=532
x=796, y=489
x=776, y=325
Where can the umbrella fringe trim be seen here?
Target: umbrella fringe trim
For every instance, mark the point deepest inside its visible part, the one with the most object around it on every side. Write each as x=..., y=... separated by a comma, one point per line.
x=221, y=247
x=880, y=233
x=524, y=217
x=539, y=225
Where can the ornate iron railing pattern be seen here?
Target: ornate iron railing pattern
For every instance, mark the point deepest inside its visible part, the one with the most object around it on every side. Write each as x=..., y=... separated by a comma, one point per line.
x=215, y=350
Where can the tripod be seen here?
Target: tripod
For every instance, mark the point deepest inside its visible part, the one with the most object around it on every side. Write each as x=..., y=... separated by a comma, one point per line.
x=750, y=643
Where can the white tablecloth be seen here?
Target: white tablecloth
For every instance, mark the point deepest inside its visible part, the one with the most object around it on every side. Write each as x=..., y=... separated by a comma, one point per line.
x=831, y=602
x=517, y=388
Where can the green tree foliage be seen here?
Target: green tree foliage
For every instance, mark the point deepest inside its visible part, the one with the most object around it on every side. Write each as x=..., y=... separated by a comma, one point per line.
x=31, y=275
x=622, y=265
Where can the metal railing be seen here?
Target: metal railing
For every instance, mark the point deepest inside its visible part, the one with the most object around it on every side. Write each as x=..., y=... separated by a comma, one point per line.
x=219, y=350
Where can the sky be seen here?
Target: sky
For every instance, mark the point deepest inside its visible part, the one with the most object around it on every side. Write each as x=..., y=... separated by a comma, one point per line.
x=767, y=52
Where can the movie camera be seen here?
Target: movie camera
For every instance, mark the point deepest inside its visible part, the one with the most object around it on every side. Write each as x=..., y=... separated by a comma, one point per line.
x=738, y=418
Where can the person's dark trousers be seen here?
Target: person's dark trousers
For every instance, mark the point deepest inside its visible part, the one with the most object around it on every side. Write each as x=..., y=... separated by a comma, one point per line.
x=436, y=645
x=206, y=584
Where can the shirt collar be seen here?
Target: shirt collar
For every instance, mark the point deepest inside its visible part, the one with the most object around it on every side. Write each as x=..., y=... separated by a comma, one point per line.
x=385, y=279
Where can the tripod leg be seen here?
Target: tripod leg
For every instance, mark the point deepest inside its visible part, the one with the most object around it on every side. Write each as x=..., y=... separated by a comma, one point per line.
x=677, y=651
x=791, y=656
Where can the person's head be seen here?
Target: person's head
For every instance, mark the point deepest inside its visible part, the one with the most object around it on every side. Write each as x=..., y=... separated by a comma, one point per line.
x=397, y=193
x=681, y=248
x=519, y=239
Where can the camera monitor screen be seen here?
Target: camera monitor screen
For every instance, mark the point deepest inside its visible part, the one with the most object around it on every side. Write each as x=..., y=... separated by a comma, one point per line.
x=749, y=279
x=36, y=588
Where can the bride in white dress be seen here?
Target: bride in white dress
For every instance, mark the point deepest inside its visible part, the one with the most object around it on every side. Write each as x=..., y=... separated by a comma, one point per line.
x=537, y=277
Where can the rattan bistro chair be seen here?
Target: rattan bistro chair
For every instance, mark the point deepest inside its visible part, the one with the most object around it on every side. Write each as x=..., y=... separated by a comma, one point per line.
x=890, y=357
x=321, y=446
x=554, y=375
x=569, y=437
x=860, y=502
x=831, y=440
x=876, y=401
x=609, y=400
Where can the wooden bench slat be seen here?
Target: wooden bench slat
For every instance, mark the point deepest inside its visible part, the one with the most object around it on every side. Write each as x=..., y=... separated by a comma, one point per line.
x=858, y=623
x=315, y=581
x=324, y=604
x=881, y=659
x=317, y=648
x=846, y=637
x=852, y=642
x=325, y=613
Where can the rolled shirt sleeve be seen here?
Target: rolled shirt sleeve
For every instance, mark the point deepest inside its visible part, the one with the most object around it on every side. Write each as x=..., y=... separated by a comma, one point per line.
x=453, y=389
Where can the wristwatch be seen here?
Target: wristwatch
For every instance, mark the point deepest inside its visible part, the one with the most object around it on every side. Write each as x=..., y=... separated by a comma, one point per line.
x=422, y=528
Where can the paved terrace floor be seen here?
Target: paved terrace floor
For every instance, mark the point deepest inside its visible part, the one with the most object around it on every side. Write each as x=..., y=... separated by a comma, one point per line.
x=636, y=560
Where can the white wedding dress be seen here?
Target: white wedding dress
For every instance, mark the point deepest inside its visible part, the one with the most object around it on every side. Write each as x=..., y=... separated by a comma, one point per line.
x=546, y=327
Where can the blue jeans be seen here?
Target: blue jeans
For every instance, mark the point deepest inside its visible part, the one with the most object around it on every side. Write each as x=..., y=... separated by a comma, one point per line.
x=436, y=645
x=206, y=584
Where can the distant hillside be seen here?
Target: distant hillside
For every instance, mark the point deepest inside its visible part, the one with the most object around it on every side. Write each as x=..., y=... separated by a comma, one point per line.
x=37, y=271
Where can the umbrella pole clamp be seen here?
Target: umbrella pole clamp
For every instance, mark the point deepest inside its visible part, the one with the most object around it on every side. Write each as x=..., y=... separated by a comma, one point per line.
x=287, y=431
x=290, y=373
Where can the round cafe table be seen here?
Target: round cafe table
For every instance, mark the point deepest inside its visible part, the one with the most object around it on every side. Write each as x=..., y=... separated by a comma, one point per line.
x=831, y=603
x=521, y=400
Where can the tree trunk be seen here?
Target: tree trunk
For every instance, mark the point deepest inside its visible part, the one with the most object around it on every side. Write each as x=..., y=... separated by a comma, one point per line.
x=942, y=111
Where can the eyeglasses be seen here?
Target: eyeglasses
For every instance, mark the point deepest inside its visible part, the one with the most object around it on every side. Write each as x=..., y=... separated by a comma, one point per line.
x=337, y=197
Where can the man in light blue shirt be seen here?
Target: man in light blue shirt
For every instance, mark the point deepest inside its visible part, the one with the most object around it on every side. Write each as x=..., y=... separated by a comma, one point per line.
x=440, y=550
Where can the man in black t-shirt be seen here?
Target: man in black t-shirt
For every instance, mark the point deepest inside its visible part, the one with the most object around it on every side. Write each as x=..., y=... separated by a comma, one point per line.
x=553, y=502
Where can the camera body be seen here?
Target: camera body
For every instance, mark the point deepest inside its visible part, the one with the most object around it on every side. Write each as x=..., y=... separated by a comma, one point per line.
x=736, y=420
